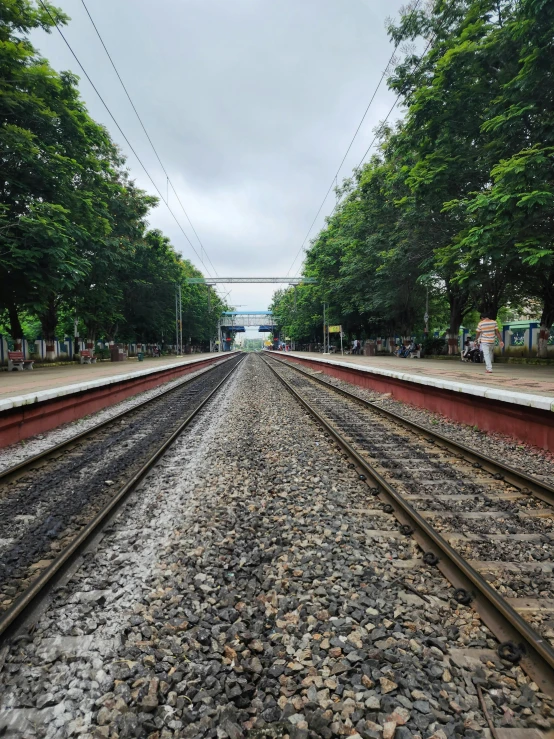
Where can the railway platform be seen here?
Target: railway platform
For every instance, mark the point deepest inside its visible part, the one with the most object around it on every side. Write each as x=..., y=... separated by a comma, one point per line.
x=516, y=399
x=35, y=401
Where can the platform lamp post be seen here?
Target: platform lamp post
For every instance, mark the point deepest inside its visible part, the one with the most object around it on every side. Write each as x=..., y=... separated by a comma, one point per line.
x=75, y=335
x=178, y=320
x=181, y=319
x=426, y=316
x=325, y=340
x=426, y=281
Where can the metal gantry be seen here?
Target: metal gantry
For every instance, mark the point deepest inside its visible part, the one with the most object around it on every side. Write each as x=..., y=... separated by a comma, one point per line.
x=240, y=320
x=251, y=280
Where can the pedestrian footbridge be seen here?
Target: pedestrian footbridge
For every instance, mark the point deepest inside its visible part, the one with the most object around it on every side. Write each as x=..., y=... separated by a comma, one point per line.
x=239, y=321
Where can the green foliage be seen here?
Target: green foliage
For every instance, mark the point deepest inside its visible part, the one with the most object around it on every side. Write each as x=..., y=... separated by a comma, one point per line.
x=459, y=201
x=252, y=345
x=433, y=345
x=73, y=232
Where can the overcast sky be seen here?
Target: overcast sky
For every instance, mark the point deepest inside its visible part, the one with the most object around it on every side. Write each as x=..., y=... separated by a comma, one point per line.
x=251, y=105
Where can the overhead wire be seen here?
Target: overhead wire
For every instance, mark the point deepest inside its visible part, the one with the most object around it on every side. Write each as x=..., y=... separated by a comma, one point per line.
x=377, y=134
x=335, y=177
x=168, y=178
x=139, y=160
x=394, y=105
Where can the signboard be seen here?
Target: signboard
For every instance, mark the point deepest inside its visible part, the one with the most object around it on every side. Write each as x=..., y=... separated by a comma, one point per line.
x=268, y=343
x=335, y=329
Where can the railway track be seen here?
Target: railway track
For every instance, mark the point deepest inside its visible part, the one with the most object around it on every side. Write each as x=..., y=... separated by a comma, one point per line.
x=487, y=527
x=54, y=503
x=242, y=592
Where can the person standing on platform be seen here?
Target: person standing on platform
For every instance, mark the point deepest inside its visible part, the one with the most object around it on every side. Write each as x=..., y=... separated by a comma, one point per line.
x=487, y=332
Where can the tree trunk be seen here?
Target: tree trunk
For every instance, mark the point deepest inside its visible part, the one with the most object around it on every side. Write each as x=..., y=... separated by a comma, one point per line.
x=111, y=332
x=91, y=334
x=452, y=342
x=542, y=345
x=48, y=321
x=15, y=326
x=547, y=319
x=458, y=300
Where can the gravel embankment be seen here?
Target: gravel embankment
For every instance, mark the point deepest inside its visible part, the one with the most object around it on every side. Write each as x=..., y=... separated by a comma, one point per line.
x=43, y=509
x=458, y=500
x=524, y=457
x=244, y=592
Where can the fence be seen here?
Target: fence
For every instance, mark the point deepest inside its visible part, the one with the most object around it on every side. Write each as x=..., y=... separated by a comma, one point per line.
x=65, y=349
x=520, y=340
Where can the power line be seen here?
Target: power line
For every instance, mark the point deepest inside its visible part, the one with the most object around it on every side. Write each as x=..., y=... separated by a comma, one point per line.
x=168, y=179
x=121, y=131
x=351, y=142
x=378, y=133
x=394, y=104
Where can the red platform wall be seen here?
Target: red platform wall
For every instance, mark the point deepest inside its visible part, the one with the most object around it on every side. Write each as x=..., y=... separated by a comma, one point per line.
x=530, y=425
x=28, y=420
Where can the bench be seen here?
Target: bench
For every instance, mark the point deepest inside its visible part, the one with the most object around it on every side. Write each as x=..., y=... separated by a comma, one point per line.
x=16, y=361
x=86, y=357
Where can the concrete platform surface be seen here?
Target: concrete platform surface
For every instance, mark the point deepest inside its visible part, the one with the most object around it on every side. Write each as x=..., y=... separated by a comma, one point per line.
x=20, y=388
x=529, y=385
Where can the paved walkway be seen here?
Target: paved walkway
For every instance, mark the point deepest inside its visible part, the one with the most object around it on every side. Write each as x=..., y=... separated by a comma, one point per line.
x=47, y=378
x=521, y=378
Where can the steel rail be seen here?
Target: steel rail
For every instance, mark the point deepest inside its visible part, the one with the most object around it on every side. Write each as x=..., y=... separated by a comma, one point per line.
x=27, y=600
x=520, y=480
x=503, y=620
x=11, y=472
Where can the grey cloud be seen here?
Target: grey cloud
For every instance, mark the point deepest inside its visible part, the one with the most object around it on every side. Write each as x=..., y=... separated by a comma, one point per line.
x=250, y=103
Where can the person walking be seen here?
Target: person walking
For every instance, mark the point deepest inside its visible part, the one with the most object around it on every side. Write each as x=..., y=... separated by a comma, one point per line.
x=487, y=331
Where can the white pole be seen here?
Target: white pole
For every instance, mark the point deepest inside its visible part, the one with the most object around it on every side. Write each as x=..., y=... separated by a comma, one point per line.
x=324, y=329
x=176, y=324
x=181, y=319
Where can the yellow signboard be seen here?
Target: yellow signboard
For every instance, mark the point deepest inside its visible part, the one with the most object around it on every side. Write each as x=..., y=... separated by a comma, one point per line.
x=335, y=329
x=267, y=343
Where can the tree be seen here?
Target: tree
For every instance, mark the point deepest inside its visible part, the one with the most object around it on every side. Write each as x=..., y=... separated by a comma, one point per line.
x=99, y=297
x=73, y=232
x=461, y=193
x=513, y=217
x=54, y=158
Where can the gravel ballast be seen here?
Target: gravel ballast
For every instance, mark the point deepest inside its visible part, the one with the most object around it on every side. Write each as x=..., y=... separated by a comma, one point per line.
x=43, y=508
x=245, y=591
x=525, y=457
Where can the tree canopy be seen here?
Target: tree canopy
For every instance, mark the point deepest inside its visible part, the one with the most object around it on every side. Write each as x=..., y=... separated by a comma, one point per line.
x=459, y=198
x=74, y=236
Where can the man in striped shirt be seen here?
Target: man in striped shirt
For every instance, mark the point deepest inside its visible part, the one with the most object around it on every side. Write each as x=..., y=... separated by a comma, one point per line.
x=487, y=331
